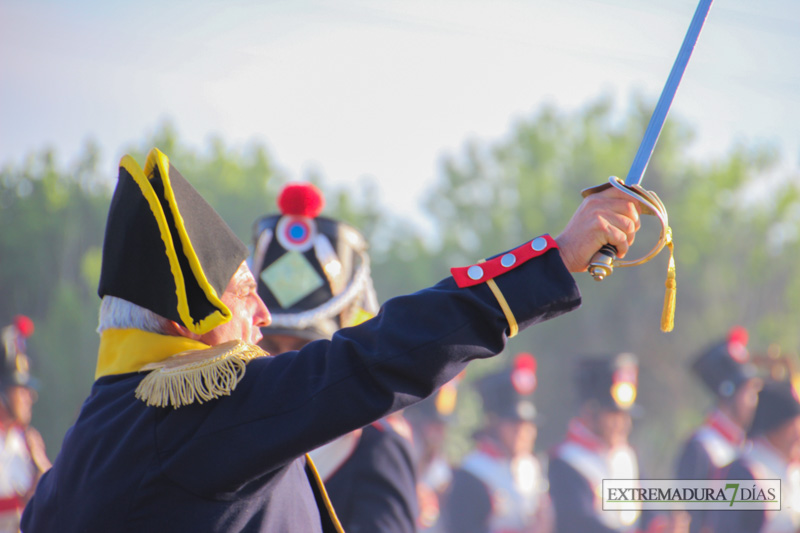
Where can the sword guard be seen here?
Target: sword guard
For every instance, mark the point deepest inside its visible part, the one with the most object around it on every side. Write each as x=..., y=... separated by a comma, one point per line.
x=651, y=204
x=603, y=262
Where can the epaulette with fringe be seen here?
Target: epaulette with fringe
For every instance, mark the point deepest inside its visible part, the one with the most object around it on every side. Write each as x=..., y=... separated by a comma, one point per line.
x=196, y=375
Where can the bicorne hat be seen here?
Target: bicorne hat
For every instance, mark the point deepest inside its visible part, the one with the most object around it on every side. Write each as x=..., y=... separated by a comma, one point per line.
x=165, y=248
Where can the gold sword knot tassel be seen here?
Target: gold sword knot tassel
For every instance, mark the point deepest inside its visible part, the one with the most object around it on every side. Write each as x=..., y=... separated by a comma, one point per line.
x=603, y=262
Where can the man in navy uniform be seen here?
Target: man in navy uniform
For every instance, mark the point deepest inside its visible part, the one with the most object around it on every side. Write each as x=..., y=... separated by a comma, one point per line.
x=22, y=451
x=429, y=421
x=369, y=473
x=596, y=448
x=774, y=453
x=726, y=370
x=190, y=427
x=499, y=486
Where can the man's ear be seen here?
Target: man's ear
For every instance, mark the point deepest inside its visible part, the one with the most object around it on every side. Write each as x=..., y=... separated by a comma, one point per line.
x=180, y=330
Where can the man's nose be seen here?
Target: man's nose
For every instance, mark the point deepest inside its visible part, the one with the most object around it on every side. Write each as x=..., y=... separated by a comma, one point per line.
x=262, y=316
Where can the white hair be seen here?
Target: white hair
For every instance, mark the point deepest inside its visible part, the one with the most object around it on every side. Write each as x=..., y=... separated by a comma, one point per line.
x=116, y=313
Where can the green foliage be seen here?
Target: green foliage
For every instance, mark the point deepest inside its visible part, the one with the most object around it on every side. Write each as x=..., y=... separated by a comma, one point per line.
x=52, y=219
x=65, y=346
x=237, y=182
x=51, y=253
x=735, y=249
x=735, y=223
x=49, y=220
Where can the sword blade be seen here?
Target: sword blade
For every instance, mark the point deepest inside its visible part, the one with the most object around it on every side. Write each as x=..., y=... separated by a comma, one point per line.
x=642, y=158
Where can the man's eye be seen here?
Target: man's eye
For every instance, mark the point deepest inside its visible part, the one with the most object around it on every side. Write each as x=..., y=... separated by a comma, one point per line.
x=246, y=291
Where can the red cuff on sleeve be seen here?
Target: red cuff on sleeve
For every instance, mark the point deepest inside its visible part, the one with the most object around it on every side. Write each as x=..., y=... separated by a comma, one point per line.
x=481, y=272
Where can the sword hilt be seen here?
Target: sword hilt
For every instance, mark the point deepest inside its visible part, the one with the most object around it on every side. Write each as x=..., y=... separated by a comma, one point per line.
x=602, y=264
x=603, y=261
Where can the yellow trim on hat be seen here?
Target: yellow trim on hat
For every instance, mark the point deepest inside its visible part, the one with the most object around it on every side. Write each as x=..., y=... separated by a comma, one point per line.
x=157, y=159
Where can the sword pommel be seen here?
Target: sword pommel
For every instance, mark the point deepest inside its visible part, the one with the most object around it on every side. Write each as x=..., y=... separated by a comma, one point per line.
x=602, y=264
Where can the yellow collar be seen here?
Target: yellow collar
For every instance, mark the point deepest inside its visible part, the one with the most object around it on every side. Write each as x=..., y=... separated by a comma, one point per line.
x=128, y=350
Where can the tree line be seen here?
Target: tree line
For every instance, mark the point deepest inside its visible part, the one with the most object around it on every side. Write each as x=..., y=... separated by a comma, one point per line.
x=734, y=219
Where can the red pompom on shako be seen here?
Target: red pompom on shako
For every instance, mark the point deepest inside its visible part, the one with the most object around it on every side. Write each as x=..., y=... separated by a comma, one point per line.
x=24, y=325
x=523, y=376
x=737, y=344
x=301, y=199
x=739, y=335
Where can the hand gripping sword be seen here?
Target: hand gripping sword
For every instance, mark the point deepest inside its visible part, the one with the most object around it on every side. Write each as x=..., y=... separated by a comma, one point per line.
x=603, y=262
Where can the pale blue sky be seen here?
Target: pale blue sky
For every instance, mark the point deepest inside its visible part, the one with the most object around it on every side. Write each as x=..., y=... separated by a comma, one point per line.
x=381, y=88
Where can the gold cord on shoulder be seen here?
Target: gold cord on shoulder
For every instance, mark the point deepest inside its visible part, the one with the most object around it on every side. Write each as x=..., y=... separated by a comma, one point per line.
x=196, y=375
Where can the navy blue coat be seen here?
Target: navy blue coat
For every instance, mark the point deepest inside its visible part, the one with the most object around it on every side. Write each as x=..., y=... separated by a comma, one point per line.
x=574, y=505
x=375, y=489
x=739, y=521
x=695, y=463
x=468, y=505
x=705, y=455
x=573, y=500
x=236, y=463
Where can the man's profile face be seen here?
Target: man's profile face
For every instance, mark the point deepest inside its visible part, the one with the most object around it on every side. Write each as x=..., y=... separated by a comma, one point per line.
x=611, y=426
x=786, y=439
x=248, y=312
x=21, y=400
x=745, y=401
x=518, y=436
x=614, y=427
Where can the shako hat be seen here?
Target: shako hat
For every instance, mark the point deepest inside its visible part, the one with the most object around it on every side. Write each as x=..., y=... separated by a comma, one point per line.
x=725, y=366
x=166, y=249
x=439, y=407
x=313, y=272
x=612, y=382
x=15, y=367
x=508, y=394
x=777, y=404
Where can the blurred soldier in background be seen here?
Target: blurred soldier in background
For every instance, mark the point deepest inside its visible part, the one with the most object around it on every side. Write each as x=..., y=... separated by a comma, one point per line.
x=499, y=487
x=22, y=452
x=429, y=420
x=596, y=447
x=726, y=369
x=313, y=274
x=774, y=453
